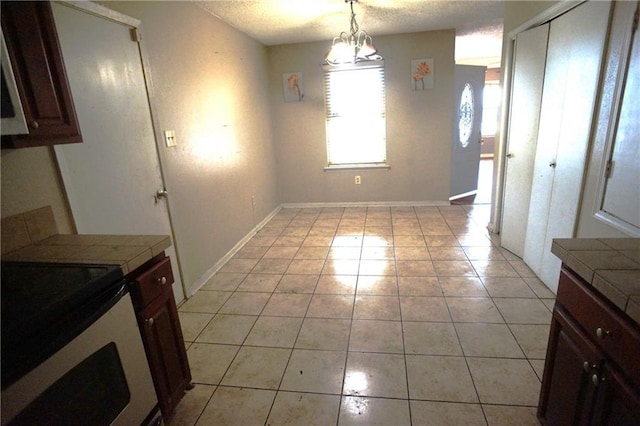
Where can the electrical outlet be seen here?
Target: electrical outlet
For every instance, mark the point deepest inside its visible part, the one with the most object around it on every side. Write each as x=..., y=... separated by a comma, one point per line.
x=358, y=180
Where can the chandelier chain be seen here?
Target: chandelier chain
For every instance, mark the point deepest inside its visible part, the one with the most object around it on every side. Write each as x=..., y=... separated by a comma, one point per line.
x=354, y=24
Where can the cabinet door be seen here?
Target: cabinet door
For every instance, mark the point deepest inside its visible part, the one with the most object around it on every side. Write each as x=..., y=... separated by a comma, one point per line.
x=569, y=387
x=34, y=51
x=162, y=336
x=618, y=402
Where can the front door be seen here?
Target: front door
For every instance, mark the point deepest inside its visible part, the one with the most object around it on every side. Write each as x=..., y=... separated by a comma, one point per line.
x=112, y=178
x=467, y=137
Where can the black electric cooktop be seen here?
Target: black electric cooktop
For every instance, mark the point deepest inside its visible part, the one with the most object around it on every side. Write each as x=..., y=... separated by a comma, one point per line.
x=44, y=305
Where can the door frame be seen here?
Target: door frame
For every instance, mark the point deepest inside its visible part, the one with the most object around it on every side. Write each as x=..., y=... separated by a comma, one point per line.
x=495, y=221
x=135, y=26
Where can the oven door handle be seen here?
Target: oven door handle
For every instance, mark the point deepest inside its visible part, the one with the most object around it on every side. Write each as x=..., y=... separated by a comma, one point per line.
x=78, y=321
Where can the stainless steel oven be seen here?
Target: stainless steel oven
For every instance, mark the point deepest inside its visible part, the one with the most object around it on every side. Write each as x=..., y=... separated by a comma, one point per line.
x=71, y=348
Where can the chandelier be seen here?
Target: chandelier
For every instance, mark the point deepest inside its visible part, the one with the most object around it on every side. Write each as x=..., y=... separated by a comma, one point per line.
x=357, y=46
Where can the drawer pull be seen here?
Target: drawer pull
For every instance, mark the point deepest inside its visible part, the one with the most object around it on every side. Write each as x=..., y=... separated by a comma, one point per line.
x=595, y=380
x=602, y=333
x=149, y=322
x=162, y=281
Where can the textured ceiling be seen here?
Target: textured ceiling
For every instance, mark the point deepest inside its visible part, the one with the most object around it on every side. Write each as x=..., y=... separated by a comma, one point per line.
x=478, y=24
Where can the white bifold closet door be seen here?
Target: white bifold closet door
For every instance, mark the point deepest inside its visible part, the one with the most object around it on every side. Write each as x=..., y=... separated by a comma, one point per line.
x=572, y=73
x=530, y=53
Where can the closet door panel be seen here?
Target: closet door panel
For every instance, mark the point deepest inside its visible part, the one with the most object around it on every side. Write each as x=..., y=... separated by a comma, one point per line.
x=574, y=59
x=551, y=109
x=524, y=114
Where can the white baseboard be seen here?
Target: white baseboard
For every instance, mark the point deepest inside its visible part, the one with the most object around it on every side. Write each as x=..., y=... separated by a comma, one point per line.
x=220, y=263
x=466, y=194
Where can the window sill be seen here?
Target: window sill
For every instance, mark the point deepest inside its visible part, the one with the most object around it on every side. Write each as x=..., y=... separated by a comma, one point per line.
x=356, y=166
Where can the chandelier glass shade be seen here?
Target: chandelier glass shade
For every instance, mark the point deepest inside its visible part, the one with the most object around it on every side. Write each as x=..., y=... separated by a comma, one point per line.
x=352, y=47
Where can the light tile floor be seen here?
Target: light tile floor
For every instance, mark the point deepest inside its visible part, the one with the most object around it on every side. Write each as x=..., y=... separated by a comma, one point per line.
x=372, y=316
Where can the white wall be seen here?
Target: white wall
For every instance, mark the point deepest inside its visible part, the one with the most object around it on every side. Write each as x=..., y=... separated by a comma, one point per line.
x=419, y=125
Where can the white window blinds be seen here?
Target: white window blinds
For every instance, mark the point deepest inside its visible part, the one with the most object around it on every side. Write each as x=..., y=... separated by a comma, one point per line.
x=355, y=114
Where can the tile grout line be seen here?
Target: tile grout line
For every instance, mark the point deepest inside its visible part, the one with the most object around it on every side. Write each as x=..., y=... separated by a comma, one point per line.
x=351, y=319
x=245, y=338
x=278, y=390
x=464, y=355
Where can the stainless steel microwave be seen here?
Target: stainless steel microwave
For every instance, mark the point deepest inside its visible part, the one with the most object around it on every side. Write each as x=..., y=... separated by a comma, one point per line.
x=11, y=112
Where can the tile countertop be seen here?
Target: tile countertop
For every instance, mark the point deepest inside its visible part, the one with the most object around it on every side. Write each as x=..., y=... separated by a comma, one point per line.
x=610, y=265
x=127, y=251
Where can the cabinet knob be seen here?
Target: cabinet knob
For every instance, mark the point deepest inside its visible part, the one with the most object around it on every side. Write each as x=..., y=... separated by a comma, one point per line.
x=602, y=333
x=552, y=164
x=149, y=321
x=162, y=281
x=586, y=366
x=595, y=380
x=34, y=124
x=509, y=155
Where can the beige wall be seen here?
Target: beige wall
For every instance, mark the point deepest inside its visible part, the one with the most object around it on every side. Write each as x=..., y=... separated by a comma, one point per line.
x=30, y=180
x=210, y=84
x=517, y=13
x=419, y=125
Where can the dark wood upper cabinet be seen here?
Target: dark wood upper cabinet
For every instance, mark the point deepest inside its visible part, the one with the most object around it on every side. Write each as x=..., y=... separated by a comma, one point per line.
x=41, y=81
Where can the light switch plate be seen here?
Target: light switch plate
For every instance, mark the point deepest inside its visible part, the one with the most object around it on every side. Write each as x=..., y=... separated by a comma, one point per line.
x=170, y=138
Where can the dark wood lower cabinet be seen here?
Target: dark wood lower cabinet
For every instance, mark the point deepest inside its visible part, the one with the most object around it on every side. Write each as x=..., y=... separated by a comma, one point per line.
x=568, y=391
x=159, y=323
x=618, y=402
x=587, y=381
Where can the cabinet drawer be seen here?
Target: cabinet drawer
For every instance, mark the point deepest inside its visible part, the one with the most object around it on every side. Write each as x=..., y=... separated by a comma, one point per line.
x=610, y=331
x=152, y=282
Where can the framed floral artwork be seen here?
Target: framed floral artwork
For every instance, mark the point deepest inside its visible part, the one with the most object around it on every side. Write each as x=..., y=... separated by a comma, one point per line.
x=422, y=74
x=293, y=87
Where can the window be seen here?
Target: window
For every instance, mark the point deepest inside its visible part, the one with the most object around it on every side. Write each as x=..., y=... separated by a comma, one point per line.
x=355, y=114
x=490, y=107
